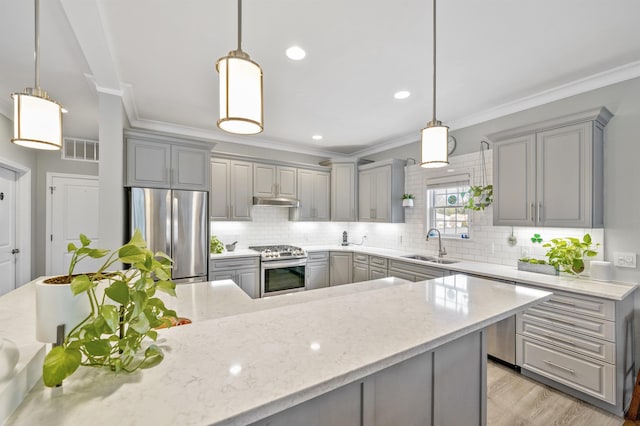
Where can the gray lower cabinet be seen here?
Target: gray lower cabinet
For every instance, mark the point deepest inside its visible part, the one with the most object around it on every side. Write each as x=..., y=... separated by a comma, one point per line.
x=414, y=272
x=244, y=271
x=317, y=272
x=360, y=267
x=580, y=345
x=378, y=267
x=341, y=268
x=444, y=387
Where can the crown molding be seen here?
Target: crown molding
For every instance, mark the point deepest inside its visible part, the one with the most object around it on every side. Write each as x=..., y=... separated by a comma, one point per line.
x=583, y=85
x=587, y=84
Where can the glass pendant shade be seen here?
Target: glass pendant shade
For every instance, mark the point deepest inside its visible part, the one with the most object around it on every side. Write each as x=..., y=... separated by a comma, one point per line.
x=37, y=121
x=434, y=145
x=240, y=94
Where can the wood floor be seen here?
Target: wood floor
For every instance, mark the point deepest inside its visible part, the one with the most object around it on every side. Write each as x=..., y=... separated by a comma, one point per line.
x=514, y=400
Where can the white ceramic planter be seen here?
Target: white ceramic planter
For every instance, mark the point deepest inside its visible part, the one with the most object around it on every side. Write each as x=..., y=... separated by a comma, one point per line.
x=407, y=202
x=55, y=305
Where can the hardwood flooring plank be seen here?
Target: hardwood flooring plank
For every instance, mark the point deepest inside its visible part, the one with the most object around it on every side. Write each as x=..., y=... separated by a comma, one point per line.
x=515, y=400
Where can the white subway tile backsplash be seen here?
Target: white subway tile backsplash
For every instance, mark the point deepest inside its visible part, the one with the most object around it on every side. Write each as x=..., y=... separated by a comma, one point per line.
x=488, y=243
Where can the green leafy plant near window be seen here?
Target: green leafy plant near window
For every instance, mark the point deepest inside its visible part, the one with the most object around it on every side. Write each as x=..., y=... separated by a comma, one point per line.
x=568, y=254
x=123, y=314
x=480, y=197
x=407, y=196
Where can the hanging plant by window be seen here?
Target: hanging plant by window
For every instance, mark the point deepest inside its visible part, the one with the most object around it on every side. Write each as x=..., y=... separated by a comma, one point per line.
x=481, y=196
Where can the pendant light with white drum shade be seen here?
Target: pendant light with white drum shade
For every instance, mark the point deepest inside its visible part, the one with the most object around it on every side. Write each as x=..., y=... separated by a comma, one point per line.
x=37, y=119
x=435, y=135
x=241, y=107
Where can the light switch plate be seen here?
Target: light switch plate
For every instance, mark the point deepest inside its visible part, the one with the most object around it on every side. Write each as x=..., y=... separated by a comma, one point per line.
x=624, y=259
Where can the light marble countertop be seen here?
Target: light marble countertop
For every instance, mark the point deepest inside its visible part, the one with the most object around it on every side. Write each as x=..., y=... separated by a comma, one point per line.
x=233, y=367
x=240, y=252
x=581, y=285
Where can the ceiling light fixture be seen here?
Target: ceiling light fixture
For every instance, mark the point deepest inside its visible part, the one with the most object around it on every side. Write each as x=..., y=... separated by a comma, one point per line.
x=37, y=119
x=241, y=107
x=316, y=137
x=296, y=53
x=435, y=135
x=402, y=94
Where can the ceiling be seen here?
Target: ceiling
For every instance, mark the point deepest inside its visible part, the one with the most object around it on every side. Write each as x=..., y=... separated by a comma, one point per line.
x=494, y=57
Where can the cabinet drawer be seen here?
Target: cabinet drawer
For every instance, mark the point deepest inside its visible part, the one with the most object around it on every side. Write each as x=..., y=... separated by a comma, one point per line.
x=360, y=258
x=377, y=273
x=585, y=305
x=318, y=256
x=429, y=271
x=556, y=318
x=235, y=263
x=595, y=348
x=378, y=261
x=587, y=375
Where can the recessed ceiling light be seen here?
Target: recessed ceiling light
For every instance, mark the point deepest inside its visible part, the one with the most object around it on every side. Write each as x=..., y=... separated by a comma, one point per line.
x=316, y=137
x=64, y=110
x=403, y=94
x=296, y=53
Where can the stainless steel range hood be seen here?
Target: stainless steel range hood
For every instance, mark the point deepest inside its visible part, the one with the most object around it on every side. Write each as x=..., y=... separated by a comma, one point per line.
x=275, y=202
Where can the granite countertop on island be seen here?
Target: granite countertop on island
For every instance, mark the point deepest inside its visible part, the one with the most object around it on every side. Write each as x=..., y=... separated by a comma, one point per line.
x=237, y=366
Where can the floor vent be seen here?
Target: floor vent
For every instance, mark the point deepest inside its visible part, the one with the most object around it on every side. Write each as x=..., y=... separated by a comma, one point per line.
x=80, y=150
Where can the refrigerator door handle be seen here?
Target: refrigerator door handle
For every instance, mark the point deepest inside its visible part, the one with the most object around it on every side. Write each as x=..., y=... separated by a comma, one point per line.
x=174, y=236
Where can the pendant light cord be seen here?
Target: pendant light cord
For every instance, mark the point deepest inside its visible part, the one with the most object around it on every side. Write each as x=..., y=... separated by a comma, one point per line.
x=434, y=62
x=239, y=24
x=37, y=42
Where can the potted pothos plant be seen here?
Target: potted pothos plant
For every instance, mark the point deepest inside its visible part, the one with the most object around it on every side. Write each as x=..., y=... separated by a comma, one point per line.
x=407, y=200
x=119, y=332
x=481, y=196
x=568, y=254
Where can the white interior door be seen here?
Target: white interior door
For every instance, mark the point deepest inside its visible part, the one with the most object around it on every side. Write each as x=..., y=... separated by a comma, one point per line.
x=7, y=230
x=74, y=211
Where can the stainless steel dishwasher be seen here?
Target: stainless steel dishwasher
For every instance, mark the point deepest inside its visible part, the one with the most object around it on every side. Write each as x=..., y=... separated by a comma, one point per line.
x=501, y=336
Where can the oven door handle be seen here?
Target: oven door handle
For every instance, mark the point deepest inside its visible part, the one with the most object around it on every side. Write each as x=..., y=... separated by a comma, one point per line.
x=283, y=264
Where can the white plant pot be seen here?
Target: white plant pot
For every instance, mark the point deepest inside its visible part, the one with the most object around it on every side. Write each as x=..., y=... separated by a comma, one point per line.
x=56, y=305
x=407, y=202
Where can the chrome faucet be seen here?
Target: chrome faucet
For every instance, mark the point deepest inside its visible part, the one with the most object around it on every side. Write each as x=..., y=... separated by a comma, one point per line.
x=441, y=250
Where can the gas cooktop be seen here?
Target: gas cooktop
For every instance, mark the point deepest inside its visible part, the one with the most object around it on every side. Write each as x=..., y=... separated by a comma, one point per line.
x=277, y=252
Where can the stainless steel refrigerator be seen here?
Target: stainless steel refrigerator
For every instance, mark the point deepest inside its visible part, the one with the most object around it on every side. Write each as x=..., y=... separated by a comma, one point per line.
x=174, y=222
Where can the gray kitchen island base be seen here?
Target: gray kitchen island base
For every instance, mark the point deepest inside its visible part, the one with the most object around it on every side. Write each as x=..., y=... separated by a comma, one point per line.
x=446, y=386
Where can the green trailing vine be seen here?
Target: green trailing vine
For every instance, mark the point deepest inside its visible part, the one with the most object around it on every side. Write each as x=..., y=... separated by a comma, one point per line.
x=123, y=314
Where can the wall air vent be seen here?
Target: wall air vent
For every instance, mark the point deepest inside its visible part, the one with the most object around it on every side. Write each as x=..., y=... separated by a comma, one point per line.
x=80, y=150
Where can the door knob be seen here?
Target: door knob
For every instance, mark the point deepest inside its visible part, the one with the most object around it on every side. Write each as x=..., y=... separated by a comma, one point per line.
x=15, y=251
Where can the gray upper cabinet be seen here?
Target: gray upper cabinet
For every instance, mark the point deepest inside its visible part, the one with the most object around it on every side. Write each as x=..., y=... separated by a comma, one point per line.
x=274, y=181
x=159, y=161
x=231, y=189
x=551, y=173
x=343, y=192
x=380, y=188
x=313, y=193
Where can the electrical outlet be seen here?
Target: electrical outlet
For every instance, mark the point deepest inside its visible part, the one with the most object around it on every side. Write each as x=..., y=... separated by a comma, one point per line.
x=624, y=259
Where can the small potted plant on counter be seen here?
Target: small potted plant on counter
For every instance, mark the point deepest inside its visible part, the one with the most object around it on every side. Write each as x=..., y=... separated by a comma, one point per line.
x=124, y=312
x=568, y=254
x=539, y=266
x=407, y=200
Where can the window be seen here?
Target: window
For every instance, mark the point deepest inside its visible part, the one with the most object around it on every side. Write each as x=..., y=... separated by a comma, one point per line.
x=446, y=199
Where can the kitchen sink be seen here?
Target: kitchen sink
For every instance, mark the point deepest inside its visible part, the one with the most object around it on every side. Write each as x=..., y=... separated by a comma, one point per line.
x=431, y=259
